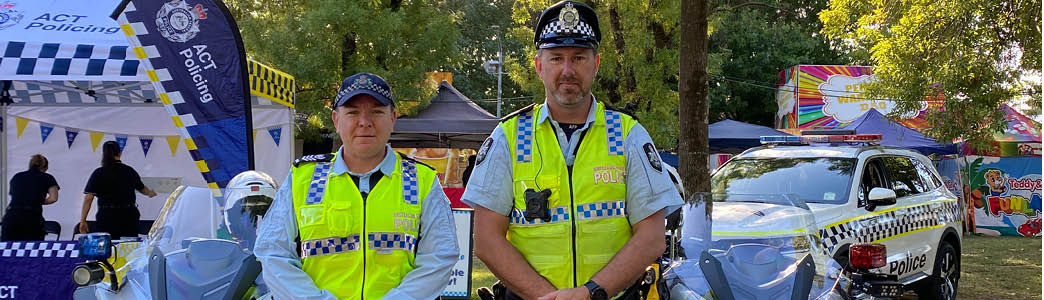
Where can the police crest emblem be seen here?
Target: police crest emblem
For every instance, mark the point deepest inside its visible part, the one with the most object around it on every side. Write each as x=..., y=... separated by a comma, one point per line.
x=178, y=22
x=653, y=156
x=568, y=17
x=481, y=156
x=8, y=15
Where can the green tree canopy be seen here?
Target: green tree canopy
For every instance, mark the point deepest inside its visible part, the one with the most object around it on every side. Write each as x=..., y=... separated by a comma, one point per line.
x=972, y=53
x=322, y=42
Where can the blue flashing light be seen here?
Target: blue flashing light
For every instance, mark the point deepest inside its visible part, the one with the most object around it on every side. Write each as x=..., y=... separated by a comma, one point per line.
x=780, y=139
x=96, y=246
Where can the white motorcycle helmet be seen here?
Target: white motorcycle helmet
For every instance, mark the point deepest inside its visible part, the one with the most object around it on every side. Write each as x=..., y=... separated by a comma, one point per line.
x=247, y=198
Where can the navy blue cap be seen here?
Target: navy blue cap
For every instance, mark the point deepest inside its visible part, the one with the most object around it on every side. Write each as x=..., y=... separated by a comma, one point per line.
x=567, y=24
x=364, y=84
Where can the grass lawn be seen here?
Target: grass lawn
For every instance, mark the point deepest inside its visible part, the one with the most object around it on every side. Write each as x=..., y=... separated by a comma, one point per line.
x=991, y=268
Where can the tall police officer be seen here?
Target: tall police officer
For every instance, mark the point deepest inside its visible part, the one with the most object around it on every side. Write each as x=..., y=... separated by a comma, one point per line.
x=582, y=214
x=369, y=223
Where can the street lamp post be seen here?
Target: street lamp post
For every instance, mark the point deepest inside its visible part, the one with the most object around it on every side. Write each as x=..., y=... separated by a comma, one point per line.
x=496, y=67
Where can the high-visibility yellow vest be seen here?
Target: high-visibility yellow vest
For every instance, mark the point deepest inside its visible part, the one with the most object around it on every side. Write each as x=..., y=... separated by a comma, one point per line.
x=356, y=248
x=587, y=205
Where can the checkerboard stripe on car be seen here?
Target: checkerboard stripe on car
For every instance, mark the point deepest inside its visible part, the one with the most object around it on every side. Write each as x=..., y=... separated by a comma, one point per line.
x=872, y=228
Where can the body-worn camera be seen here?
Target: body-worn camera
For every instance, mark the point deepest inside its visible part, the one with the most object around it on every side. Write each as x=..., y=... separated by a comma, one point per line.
x=536, y=205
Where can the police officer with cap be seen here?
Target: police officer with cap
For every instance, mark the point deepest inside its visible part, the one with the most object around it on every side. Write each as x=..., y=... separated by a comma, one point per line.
x=582, y=214
x=364, y=222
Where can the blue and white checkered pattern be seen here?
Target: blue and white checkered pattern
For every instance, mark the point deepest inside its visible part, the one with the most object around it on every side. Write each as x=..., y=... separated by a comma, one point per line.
x=600, y=210
x=39, y=249
x=524, y=138
x=558, y=214
x=35, y=92
x=54, y=60
x=871, y=229
x=327, y=246
x=410, y=190
x=391, y=241
x=614, y=132
x=318, y=185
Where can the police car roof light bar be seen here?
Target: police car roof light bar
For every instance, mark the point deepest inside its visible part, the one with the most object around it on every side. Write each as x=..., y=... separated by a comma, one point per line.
x=829, y=132
x=865, y=256
x=848, y=138
x=780, y=139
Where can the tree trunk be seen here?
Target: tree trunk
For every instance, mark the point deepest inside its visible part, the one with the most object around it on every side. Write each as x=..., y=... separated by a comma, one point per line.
x=693, y=105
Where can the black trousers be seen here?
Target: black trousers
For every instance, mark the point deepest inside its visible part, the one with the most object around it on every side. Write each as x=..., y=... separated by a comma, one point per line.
x=118, y=222
x=22, y=225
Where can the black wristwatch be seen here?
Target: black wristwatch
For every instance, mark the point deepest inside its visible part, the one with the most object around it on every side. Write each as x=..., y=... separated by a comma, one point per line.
x=597, y=292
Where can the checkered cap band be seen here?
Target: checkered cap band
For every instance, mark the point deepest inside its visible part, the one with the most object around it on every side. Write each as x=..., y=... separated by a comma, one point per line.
x=327, y=246
x=614, y=132
x=524, y=138
x=871, y=229
x=600, y=210
x=410, y=189
x=581, y=28
x=391, y=241
x=318, y=185
x=558, y=214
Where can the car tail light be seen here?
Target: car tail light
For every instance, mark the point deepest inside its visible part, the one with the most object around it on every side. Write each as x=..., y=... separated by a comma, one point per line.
x=867, y=256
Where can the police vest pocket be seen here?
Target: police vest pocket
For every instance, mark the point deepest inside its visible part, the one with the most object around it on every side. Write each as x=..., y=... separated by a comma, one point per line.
x=339, y=220
x=392, y=267
x=600, y=226
x=595, y=262
x=544, y=263
x=311, y=218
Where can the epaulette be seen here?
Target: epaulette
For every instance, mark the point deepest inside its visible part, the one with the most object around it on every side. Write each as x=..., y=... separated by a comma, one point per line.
x=404, y=156
x=526, y=109
x=328, y=157
x=628, y=112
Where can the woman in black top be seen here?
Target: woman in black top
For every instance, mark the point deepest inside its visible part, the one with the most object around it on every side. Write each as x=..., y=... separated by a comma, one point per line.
x=114, y=184
x=30, y=191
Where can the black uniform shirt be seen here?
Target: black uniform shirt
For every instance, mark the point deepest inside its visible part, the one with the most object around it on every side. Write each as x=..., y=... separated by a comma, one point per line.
x=29, y=189
x=114, y=185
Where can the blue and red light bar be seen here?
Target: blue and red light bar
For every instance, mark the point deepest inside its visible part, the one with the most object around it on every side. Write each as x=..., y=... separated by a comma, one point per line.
x=810, y=139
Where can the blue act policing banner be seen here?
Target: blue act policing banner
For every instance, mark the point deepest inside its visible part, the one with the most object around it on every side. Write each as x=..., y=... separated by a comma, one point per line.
x=193, y=54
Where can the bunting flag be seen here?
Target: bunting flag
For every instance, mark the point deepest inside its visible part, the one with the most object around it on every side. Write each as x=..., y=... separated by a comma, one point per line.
x=70, y=135
x=146, y=142
x=276, y=133
x=122, y=141
x=194, y=56
x=45, y=131
x=21, y=123
x=96, y=138
x=172, y=141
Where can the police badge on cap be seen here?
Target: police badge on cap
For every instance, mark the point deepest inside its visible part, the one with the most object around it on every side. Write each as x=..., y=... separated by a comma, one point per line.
x=567, y=24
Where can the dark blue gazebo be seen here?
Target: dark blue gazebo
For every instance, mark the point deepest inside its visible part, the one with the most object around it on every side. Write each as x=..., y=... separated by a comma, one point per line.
x=897, y=135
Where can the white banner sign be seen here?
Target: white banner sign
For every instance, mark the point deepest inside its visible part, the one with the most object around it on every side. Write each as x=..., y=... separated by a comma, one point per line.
x=844, y=99
x=459, y=286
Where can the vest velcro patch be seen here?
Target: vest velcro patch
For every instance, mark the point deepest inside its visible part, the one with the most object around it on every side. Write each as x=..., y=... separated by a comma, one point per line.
x=614, y=132
x=524, y=138
x=601, y=210
x=318, y=185
x=388, y=241
x=410, y=189
x=327, y=246
x=328, y=157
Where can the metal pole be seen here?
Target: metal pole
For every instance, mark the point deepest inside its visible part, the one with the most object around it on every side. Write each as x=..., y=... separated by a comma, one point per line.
x=500, y=69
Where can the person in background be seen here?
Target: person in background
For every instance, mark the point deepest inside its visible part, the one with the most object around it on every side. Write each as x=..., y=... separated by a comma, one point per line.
x=113, y=184
x=30, y=191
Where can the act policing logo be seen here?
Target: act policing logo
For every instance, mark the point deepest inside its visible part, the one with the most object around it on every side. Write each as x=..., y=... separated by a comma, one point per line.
x=9, y=16
x=179, y=22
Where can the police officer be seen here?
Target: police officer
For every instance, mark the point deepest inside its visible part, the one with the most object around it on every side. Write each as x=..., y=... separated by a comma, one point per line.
x=361, y=223
x=582, y=213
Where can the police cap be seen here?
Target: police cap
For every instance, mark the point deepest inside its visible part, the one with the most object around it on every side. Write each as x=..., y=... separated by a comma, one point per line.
x=567, y=24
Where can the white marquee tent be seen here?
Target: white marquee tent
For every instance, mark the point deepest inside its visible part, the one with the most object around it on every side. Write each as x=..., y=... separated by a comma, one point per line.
x=72, y=84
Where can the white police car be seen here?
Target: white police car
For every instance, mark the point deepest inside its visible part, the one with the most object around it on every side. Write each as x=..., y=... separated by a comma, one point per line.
x=862, y=193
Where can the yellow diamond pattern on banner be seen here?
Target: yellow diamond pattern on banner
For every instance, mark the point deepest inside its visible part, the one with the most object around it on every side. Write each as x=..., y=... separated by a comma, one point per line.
x=96, y=138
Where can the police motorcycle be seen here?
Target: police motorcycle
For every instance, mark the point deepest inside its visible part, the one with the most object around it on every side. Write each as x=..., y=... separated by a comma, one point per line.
x=195, y=249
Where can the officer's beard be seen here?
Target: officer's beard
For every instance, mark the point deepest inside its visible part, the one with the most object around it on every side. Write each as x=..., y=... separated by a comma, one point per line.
x=571, y=100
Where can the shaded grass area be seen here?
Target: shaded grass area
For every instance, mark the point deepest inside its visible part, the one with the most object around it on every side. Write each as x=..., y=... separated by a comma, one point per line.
x=991, y=268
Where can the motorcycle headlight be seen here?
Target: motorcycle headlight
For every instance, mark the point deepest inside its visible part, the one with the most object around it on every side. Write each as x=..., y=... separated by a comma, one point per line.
x=88, y=274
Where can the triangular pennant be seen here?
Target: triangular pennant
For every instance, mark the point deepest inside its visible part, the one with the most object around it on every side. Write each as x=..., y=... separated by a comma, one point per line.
x=172, y=141
x=21, y=123
x=122, y=141
x=146, y=142
x=96, y=138
x=276, y=134
x=70, y=135
x=45, y=131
